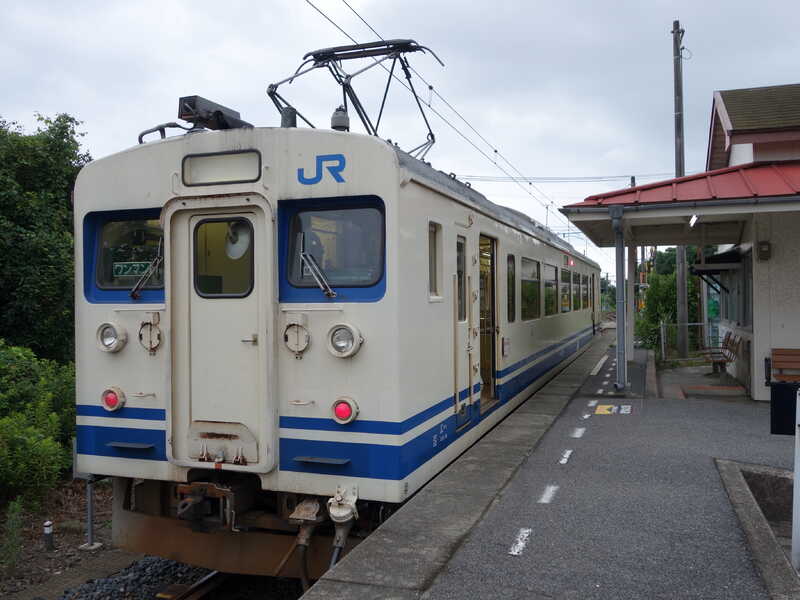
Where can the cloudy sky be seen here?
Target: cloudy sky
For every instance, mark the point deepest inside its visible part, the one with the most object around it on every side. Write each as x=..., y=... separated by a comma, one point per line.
x=561, y=89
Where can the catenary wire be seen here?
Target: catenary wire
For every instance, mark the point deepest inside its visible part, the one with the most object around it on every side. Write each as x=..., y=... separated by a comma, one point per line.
x=511, y=177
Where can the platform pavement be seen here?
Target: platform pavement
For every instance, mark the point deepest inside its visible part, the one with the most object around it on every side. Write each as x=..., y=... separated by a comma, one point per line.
x=403, y=557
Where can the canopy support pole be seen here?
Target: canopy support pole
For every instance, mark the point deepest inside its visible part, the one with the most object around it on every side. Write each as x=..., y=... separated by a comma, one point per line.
x=616, y=221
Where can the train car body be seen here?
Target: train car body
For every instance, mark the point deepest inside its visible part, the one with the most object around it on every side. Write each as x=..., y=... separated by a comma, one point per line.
x=330, y=319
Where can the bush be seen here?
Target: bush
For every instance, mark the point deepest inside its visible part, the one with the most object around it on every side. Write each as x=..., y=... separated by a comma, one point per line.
x=11, y=542
x=30, y=459
x=38, y=388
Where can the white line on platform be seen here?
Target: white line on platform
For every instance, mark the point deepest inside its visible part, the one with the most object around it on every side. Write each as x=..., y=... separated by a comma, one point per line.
x=606, y=382
x=565, y=457
x=586, y=415
x=599, y=365
x=519, y=544
x=592, y=403
x=600, y=391
x=578, y=432
x=548, y=494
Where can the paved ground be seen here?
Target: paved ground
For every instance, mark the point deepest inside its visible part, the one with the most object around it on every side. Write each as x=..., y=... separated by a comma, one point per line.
x=637, y=511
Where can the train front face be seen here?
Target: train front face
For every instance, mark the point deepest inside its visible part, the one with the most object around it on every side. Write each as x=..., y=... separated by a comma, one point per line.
x=229, y=283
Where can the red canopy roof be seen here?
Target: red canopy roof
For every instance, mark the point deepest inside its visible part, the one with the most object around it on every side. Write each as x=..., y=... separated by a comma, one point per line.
x=753, y=180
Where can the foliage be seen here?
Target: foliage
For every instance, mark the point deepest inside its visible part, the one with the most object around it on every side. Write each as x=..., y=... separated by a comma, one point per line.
x=661, y=305
x=39, y=389
x=37, y=172
x=11, y=542
x=30, y=458
x=37, y=421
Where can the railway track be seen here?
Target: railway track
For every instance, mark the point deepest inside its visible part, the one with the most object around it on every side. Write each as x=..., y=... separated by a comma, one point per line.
x=199, y=590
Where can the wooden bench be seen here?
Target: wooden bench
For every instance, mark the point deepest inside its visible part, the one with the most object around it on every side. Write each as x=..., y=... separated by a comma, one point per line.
x=728, y=352
x=783, y=365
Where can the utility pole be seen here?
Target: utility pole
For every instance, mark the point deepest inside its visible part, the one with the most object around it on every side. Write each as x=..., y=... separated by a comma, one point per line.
x=680, y=254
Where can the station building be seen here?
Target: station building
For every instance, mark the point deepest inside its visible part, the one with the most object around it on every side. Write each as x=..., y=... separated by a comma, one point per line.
x=747, y=203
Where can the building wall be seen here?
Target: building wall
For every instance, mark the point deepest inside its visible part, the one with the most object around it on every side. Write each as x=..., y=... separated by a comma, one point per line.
x=776, y=151
x=776, y=292
x=741, y=154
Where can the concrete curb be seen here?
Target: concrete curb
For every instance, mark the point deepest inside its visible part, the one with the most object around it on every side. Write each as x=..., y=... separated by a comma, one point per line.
x=401, y=558
x=779, y=576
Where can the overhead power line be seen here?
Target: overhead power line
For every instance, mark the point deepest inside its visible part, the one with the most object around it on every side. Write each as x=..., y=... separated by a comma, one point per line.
x=511, y=178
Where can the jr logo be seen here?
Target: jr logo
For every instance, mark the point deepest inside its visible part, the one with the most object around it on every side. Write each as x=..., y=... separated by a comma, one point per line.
x=335, y=166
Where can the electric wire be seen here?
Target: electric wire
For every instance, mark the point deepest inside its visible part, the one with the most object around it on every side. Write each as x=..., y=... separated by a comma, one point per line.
x=511, y=178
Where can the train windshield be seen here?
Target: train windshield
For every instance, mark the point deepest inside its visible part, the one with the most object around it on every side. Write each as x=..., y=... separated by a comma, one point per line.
x=127, y=249
x=346, y=243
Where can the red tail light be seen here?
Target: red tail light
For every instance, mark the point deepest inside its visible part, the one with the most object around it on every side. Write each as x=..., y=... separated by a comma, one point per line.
x=112, y=399
x=345, y=411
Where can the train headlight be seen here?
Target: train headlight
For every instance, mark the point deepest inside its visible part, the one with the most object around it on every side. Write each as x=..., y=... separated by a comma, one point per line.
x=345, y=410
x=112, y=399
x=111, y=337
x=344, y=340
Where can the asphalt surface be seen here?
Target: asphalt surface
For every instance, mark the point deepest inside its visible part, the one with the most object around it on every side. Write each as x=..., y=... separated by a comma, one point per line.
x=639, y=510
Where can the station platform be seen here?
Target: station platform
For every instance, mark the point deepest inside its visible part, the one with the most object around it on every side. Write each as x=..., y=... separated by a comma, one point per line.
x=580, y=493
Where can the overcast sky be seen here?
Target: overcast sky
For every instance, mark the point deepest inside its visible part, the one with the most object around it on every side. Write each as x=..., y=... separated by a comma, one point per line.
x=560, y=89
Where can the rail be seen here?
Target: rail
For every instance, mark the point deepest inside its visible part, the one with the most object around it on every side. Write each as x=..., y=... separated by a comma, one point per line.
x=196, y=591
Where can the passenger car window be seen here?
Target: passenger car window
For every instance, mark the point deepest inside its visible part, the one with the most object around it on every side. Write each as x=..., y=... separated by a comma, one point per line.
x=550, y=290
x=566, y=284
x=511, y=288
x=531, y=290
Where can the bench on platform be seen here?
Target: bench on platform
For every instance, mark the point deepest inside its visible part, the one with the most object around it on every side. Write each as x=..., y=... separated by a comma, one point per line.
x=728, y=352
x=783, y=365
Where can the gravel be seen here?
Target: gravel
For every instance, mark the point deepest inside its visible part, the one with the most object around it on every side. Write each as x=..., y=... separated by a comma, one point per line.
x=139, y=581
x=144, y=578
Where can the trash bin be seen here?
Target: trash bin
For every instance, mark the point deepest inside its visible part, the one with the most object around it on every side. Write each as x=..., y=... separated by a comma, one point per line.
x=783, y=407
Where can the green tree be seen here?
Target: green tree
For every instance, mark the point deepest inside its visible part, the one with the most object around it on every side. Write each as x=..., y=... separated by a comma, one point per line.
x=37, y=174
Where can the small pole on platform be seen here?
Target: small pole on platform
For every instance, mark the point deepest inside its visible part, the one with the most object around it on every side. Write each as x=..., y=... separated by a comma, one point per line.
x=795, y=494
x=48, y=536
x=90, y=543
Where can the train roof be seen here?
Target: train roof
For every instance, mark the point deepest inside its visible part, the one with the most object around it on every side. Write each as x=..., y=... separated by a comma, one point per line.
x=514, y=218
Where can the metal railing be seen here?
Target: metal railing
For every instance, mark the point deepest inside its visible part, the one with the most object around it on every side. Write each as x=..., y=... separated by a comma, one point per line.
x=700, y=338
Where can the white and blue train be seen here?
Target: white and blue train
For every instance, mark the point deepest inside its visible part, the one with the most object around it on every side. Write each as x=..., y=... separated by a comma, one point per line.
x=282, y=333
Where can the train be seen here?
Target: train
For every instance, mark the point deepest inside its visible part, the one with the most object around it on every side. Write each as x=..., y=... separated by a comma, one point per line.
x=282, y=333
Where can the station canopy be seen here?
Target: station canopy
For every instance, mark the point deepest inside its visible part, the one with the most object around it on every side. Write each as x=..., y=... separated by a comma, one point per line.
x=706, y=208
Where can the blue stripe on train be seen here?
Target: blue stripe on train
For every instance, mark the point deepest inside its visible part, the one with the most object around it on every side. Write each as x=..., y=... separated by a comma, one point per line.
x=384, y=427
x=380, y=461
x=126, y=412
x=118, y=442
x=375, y=461
x=529, y=359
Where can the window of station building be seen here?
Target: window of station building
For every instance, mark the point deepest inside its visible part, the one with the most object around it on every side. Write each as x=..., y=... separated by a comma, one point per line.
x=461, y=276
x=576, y=291
x=531, y=289
x=434, y=259
x=223, y=258
x=585, y=290
x=550, y=290
x=566, y=285
x=511, y=288
x=126, y=251
x=736, y=305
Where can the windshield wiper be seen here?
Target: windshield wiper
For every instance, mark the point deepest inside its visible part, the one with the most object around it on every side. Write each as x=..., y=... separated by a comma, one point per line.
x=316, y=271
x=149, y=273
